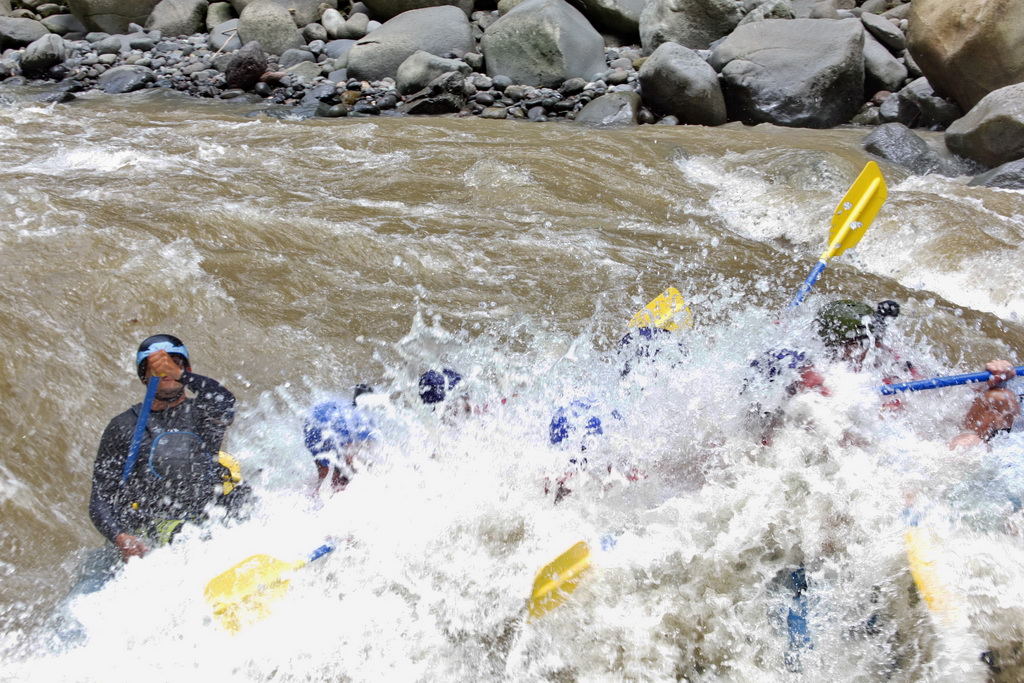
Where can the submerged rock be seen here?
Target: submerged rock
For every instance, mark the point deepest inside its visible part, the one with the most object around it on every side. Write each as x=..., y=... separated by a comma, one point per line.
x=122, y=79
x=1009, y=176
x=613, y=110
x=898, y=144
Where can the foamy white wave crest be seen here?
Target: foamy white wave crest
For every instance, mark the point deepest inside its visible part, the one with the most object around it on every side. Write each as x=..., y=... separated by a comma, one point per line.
x=97, y=159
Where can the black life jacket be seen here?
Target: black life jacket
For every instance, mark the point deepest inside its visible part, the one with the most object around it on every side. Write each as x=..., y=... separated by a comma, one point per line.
x=172, y=482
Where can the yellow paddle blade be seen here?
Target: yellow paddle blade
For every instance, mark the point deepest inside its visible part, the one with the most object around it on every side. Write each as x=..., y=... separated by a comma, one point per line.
x=555, y=581
x=242, y=595
x=662, y=312
x=924, y=567
x=856, y=210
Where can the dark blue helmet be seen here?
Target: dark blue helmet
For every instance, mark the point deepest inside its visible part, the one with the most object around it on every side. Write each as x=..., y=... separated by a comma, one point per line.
x=434, y=385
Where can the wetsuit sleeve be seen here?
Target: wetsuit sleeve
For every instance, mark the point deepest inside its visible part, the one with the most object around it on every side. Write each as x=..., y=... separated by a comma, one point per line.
x=106, y=477
x=214, y=408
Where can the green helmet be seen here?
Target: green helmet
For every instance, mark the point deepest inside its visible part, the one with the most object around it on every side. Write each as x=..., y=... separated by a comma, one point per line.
x=844, y=321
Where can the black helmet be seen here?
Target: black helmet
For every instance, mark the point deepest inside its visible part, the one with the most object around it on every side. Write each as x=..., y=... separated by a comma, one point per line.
x=845, y=321
x=160, y=342
x=360, y=389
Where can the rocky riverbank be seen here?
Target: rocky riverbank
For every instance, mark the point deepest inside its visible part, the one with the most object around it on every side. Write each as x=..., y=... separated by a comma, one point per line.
x=801, y=63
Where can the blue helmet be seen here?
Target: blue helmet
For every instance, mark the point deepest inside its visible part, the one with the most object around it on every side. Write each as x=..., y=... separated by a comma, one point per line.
x=434, y=385
x=159, y=342
x=333, y=424
x=579, y=418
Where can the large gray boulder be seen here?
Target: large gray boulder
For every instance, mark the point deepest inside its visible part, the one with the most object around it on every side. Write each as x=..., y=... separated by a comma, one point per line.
x=675, y=81
x=421, y=68
x=691, y=23
x=882, y=71
x=884, y=31
x=992, y=133
x=127, y=78
x=338, y=28
x=290, y=58
x=619, y=17
x=333, y=22
x=918, y=105
x=224, y=37
x=62, y=24
x=16, y=32
x=543, y=43
x=217, y=13
x=383, y=10
x=111, y=16
x=270, y=24
x=445, y=95
x=968, y=48
x=800, y=72
x=246, y=67
x=178, y=17
x=437, y=30
x=337, y=49
x=42, y=54
x=614, y=110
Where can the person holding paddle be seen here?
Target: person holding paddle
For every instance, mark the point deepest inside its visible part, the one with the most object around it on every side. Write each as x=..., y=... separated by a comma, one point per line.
x=993, y=411
x=851, y=329
x=843, y=328
x=853, y=334
x=158, y=463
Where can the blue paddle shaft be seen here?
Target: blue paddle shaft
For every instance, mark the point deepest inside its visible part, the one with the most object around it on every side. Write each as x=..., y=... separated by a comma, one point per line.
x=816, y=272
x=320, y=552
x=938, y=382
x=140, y=428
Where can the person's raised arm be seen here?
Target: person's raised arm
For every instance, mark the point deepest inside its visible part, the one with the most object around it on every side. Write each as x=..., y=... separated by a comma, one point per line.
x=993, y=411
x=214, y=405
